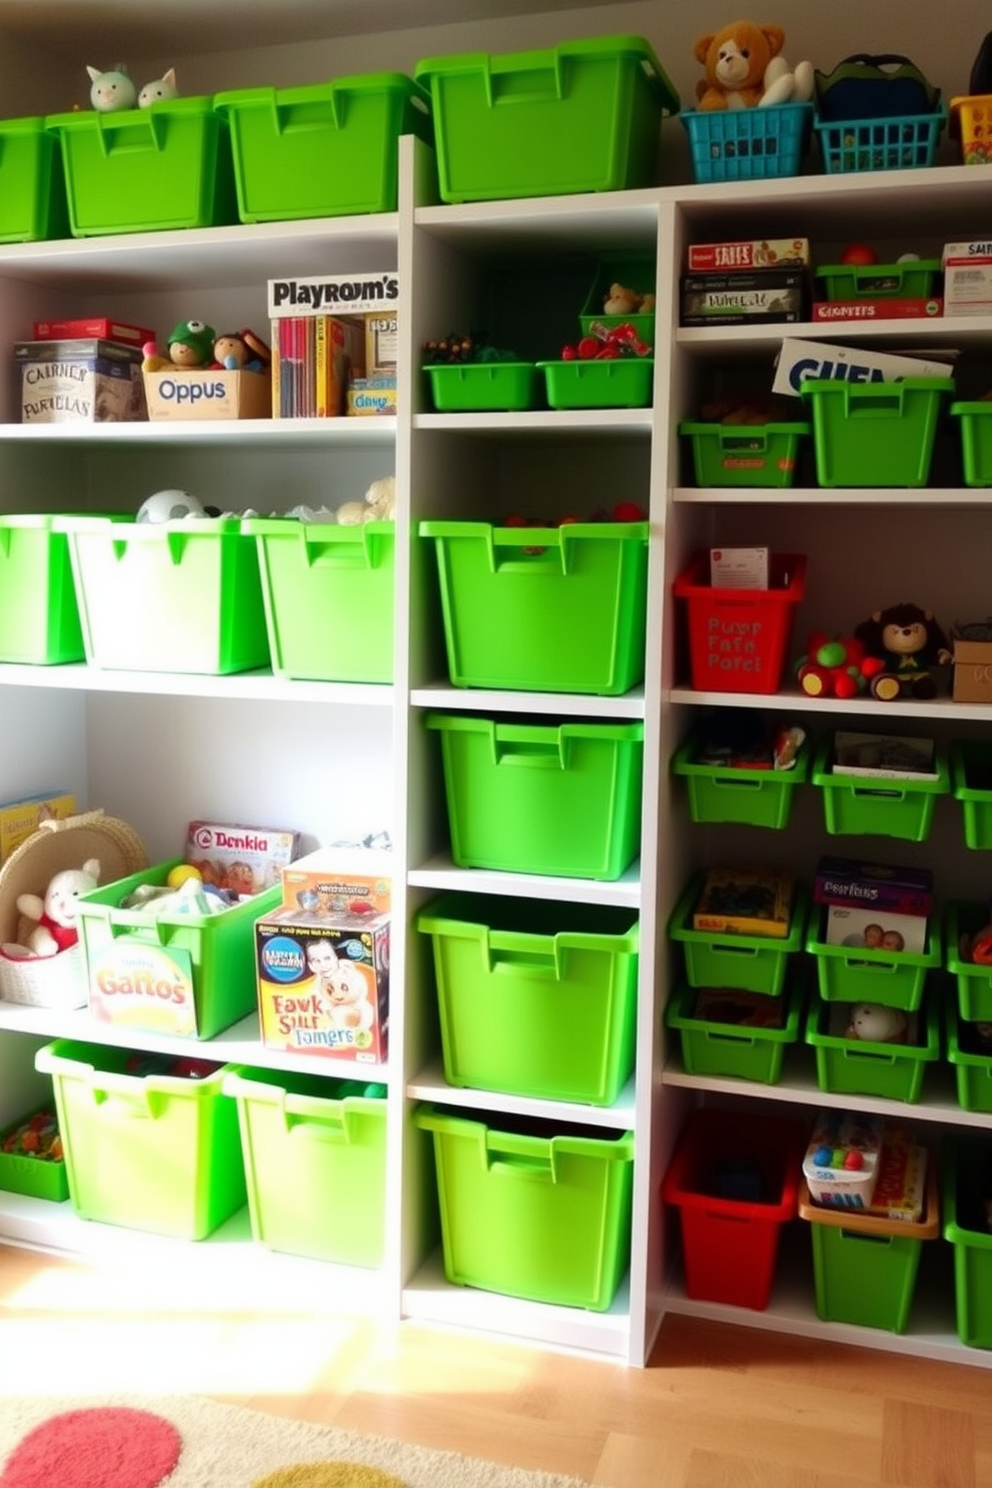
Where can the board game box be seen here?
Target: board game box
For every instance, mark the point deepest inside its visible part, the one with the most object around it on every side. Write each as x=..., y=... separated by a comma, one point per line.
x=874, y=886
x=745, y=901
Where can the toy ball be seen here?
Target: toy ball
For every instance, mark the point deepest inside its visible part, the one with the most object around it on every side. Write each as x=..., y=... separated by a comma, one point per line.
x=168, y=506
x=858, y=253
x=181, y=874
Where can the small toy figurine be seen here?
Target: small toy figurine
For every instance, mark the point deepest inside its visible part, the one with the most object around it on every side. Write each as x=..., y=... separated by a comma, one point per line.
x=55, y=914
x=909, y=642
x=878, y=1025
x=240, y=351
x=112, y=90
x=191, y=343
x=837, y=667
x=745, y=69
x=159, y=89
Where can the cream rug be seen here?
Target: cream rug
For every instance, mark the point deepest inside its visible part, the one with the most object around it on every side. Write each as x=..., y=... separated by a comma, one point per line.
x=226, y=1446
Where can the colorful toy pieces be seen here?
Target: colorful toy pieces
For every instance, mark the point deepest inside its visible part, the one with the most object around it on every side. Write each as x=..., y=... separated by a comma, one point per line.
x=836, y=668
x=607, y=343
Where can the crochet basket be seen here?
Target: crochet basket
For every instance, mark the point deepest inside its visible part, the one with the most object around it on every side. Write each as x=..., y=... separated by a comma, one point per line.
x=57, y=981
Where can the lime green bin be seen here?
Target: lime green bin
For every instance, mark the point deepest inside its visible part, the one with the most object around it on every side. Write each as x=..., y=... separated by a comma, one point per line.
x=39, y=616
x=32, y=183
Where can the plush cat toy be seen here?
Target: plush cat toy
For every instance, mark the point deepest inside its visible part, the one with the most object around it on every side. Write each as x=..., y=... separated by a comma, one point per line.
x=55, y=915
x=112, y=90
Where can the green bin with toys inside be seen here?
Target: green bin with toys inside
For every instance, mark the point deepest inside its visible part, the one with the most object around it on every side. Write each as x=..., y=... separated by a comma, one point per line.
x=755, y=455
x=967, y=1195
x=858, y=974
x=866, y=805
x=734, y=1034
x=964, y=920
x=732, y=958
x=890, y=1062
x=875, y=433
x=974, y=421
x=971, y=777
x=758, y=795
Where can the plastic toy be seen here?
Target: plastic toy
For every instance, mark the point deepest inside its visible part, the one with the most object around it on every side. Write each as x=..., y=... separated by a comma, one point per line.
x=169, y=506
x=859, y=255
x=745, y=69
x=909, y=642
x=55, y=914
x=111, y=91
x=607, y=343
x=159, y=89
x=835, y=667
x=878, y=1025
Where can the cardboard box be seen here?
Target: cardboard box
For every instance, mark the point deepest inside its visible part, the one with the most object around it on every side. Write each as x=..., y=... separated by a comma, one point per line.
x=80, y=381
x=753, y=253
x=20, y=819
x=876, y=929
x=800, y=359
x=323, y=984
x=972, y=671
x=380, y=345
x=745, y=901
x=873, y=886
x=907, y=309
x=767, y=295
x=967, y=278
x=369, y=396
x=244, y=859
x=334, y=881
x=99, y=326
x=208, y=394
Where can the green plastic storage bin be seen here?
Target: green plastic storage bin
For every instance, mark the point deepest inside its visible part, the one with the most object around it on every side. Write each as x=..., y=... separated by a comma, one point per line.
x=755, y=798
x=583, y=116
x=734, y=455
x=890, y=978
x=149, y=1152
x=558, y=609
x=179, y=596
x=205, y=961
x=39, y=616
x=478, y=387
x=912, y=280
x=561, y=799
x=635, y=271
x=974, y=983
x=38, y=1177
x=535, y=998
x=736, y=1050
x=142, y=170
x=621, y=382
x=971, y=777
x=328, y=596
x=32, y=183
x=532, y=1210
x=975, y=424
x=854, y=804
x=972, y=1063
x=966, y=1168
x=865, y=1266
x=874, y=433
x=752, y=963
x=315, y=1162
x=847, y=1066
x=325, y=150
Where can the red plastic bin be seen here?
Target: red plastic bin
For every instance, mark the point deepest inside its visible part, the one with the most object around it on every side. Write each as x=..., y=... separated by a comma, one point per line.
x=739, y=638
x=730, y=1244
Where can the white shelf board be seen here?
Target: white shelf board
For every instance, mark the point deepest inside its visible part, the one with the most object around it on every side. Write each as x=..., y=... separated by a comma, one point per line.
x=589, y=222
x=239, y=1044
x=736, y=340
x=925, y=496
x=430, y=1085
x=272, y=434
x=440, y=872
x=799, y=702
x=430, y=1298
x=486, y=700
x=258, y=686
x=580, y=422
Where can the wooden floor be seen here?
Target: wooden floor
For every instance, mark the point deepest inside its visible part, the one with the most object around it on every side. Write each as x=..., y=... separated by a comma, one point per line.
x=720, y=1407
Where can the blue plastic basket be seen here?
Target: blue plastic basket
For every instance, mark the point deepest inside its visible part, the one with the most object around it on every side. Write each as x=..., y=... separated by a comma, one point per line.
x=898, y=143
x=748, y=144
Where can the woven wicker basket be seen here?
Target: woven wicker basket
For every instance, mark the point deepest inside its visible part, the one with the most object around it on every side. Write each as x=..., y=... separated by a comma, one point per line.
x=58, y=981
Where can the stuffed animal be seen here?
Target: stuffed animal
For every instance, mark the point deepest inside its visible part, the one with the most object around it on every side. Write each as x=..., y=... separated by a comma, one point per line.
x=111, y=91
x=55, y=914
x=620, y=300
x=745, y=69
x=191, y=344
x=379, y=504
x=837, y=667
x=909, y=642
x=878, y=1025
x=159, y=89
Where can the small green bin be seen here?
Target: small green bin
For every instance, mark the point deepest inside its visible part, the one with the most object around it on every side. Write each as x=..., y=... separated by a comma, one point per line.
x=32, y=183
x=971, y=777
x=755, y=798
x=974, y=983
x=911, y=280
x=737, y=455
x=328, y=596
x=207, y=961
x=875, y=433
x=737, y=1050
x=24, y=1173
x=152, y=1152
x=560, y=609
x=533, y=1209
x=635, y=271
x=972, y=1063
x=623, y=382
x=975, y=424
x=178, y=596
x=315, y=1161
x=535, y=998
x=477, y=387
x=753, y=963
x=582, y=116
x=967, y=1168
x=324, y=150
x=856, y=805
x=560, y=799
x=889, y=978
x=39, y=616
x=146, y=170
x=846, y=1066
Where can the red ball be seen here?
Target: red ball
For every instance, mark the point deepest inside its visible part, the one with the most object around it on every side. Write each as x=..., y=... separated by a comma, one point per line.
x=629, y=511
x=854, y=1161
x=858, y=253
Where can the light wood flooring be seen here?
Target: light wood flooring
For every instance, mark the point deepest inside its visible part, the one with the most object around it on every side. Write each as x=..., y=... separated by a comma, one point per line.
x=720, y=1407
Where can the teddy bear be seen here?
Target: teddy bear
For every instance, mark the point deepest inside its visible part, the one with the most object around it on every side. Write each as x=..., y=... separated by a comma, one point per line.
x=619, y=300
x=745, y=69
x=908, y=640
x=55, y=914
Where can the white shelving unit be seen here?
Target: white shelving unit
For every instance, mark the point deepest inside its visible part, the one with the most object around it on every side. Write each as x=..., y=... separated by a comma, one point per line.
x=159, y=750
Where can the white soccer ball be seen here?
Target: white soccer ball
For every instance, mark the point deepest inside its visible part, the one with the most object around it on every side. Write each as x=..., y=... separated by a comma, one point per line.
x=169, y=506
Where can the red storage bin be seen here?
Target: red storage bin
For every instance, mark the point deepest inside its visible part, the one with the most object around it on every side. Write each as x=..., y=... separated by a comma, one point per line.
x=735, y=1180
x=739, y=638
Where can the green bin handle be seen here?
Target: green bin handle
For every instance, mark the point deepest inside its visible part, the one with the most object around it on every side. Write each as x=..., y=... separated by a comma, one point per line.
x=295, y=116
x=519, y=1166
x=113, y=133
x=508, y=83
x=529, y=755
x=364, y=552
x=146, y=1104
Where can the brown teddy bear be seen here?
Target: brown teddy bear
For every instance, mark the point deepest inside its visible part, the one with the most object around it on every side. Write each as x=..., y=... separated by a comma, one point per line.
x=620, y=300
x=745, y=69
